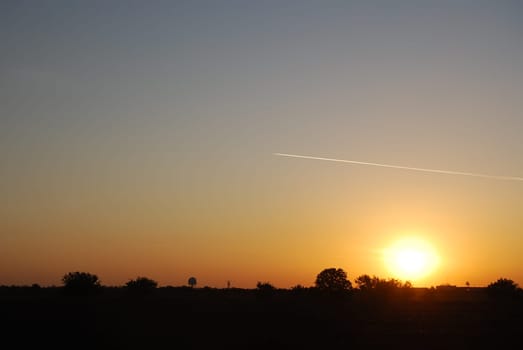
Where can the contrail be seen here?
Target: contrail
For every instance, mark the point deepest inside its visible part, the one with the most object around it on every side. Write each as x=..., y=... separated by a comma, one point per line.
x=448, y=172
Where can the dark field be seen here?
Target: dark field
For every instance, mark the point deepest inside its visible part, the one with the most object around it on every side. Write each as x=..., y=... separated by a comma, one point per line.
x=181, y=318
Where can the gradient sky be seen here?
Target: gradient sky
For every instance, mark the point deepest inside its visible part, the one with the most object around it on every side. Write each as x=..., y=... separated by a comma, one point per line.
x=136, y=139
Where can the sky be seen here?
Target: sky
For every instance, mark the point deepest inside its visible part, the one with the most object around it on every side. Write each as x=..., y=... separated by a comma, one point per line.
x=137, y=138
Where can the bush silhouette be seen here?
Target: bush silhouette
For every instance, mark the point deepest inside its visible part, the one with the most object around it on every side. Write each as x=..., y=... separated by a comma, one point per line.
x=333, y=280
x=375, y=284
x=80, y=283
x=298, y=287
x=141, y=285
x=265, y=290
x=388, y=284
x=265, y=287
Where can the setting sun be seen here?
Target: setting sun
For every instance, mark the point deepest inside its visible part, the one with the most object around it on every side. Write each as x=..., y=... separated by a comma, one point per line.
x=410, y=259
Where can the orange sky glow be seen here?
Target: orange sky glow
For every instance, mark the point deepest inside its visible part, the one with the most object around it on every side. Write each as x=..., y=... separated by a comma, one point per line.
x=140, y=141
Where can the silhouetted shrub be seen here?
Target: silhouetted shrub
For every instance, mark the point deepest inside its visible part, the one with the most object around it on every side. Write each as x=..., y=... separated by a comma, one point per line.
x=265, y=290
x=381, y=288
x=298, y=287
x=366, y=283
x=265, y=287
x=141, y=285
x=80, y=283
x=388, y=284
x=333, y=280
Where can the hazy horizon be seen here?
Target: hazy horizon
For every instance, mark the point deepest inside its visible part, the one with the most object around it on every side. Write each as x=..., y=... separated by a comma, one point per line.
x=137, y=139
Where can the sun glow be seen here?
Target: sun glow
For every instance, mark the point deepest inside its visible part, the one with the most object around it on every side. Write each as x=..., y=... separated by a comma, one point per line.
x=410, y=259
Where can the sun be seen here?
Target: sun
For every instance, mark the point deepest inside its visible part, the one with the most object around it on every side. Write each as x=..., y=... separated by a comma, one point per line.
x=410, y=259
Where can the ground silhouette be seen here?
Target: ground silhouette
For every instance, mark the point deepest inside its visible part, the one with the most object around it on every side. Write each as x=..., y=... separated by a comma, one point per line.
x=449, y=317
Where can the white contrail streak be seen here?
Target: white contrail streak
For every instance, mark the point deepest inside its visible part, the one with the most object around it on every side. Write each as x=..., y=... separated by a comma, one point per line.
x=448, y=172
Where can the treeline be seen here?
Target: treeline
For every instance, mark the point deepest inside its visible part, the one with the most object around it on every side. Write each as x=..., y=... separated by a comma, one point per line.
x=332, y=281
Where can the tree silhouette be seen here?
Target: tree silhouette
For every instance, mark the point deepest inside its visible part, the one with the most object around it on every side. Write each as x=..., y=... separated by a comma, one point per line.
x=192, y=281
x=141, y=285
x=80, y=283
x=333, y=280
x=365, y=282
x=503, y=287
